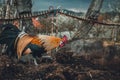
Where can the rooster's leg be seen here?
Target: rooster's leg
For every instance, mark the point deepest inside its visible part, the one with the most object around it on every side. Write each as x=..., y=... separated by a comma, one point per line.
x=35, y=61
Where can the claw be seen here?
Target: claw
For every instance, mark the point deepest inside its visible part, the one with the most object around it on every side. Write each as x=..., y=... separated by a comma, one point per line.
x=35, y=61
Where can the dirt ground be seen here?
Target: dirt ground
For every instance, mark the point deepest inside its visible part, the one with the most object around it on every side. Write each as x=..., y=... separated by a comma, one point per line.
x=66, y=66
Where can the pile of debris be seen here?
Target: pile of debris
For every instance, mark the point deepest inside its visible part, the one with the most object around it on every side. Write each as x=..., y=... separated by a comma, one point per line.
x=66, y=66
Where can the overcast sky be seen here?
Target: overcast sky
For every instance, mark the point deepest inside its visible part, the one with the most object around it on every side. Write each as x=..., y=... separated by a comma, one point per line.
x=78, y=5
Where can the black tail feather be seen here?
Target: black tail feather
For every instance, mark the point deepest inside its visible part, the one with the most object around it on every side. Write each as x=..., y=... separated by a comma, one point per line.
x=8, y=35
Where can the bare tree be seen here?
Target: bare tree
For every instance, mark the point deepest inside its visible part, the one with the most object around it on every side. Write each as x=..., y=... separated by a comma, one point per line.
x=115, y=7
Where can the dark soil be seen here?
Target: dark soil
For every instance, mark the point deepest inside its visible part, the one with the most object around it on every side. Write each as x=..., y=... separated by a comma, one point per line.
x=66, y=66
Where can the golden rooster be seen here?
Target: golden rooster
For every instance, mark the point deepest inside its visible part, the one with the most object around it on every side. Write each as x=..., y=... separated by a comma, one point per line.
x=24, y=44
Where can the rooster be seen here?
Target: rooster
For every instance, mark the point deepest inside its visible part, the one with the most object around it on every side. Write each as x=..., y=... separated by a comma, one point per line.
x=20, y=43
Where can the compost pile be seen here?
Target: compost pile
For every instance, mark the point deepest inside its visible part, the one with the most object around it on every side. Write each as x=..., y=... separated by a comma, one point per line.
x=66, y=66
